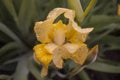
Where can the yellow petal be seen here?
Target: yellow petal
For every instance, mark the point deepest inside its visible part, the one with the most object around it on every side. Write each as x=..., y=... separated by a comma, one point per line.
x=118, y=10
x=59, y=54
x=42, y=56
x=80, y=55
x=44, y=71
x=76, y=34
x=92, y=54
x=70, y=30
x=59, y=32
x=58, y=11
x=71, y=47
x=94, y=50
x=42, y=30
x=78, y=37
x=50, y=47
x=70, y=14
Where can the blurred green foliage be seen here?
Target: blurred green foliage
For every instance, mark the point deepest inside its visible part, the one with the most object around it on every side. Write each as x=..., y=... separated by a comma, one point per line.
x=17, y=18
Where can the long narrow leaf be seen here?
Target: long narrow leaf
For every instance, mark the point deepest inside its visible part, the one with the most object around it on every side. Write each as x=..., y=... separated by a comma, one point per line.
x=4, y=77
x=33, y=70
x=9, y=5
x=4, y=38
x=76, y=5
x=9, y=56
x=99, y=21
x=104, y=67
x=109, y=28
x=10, y=61
x=89, y=7
x=21, y=70
x=83, y=75
x=8, y=32
x=26, y=14
x=112, y=41
x=7, y=47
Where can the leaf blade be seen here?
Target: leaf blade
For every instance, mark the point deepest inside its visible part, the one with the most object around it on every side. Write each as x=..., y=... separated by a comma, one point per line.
x=9, y=46
x=12, y=35
x=104, y=67
x=9, y=5
x=26, y=15
x=34, y=70
x=21, y=70
x=76, y=5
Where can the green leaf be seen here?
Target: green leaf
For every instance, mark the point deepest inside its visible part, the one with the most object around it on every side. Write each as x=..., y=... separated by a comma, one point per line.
x=108, y=61
x=9, y=67
x=80, y=14
x=8, y=32
x=22, y=71
x=105, y=32
x=89, y=7
x=4, y=77
x=10, y=61
x=83, y=75
x=4, y=38
x=9, y=56
x=76, y=5
x=33, y=69
x=75, y=71
x=112, y=41
x=99, y=21
x=9, y=5
x=101, y=36
x=26, y=14
x=104, y=67
x=7, y=47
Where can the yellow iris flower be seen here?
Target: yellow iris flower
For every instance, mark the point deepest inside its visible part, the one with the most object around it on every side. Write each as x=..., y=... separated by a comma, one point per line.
x=60, y=41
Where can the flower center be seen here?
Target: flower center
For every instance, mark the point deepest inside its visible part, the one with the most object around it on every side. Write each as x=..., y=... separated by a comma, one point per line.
x=59, y=33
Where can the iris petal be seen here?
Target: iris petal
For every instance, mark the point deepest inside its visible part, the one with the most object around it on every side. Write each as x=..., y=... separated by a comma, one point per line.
x=80, y=55
x=59, y=54
x=59, y=33
x=76, y=34
x=42, y=56
x=70, y=14
x=42, y=30
x=71, y=47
